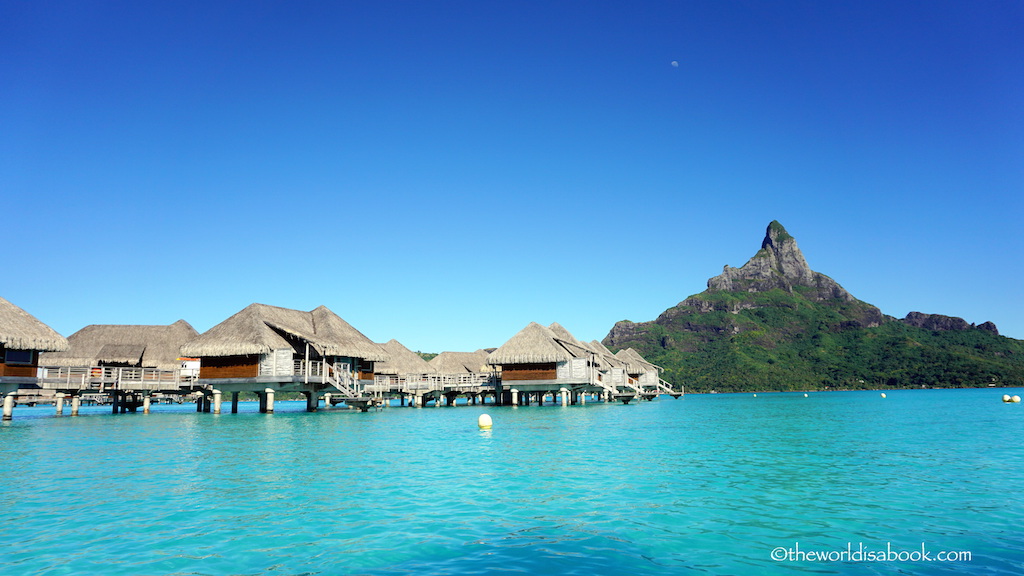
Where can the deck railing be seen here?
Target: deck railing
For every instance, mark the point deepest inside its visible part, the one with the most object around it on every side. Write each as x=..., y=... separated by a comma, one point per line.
x=428, y=382
x=90, y=377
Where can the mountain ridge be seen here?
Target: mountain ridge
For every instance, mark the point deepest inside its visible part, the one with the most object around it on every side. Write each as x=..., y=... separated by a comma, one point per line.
x=776, y=324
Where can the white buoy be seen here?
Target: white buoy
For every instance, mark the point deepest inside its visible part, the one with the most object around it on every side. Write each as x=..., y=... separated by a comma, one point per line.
x=883, y=394
x=484, y=422
x=1015, y=399
x=755, y=395
x=1006, y=398
x=805, y=395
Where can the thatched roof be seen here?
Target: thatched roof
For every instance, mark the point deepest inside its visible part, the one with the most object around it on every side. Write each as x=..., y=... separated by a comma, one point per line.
x=537, y=344
x=20, y=330
x=123, y=353
x=606, y=355
x=635, y=363
x=136, y=345
x=460, y=362
x=403, y=361
x=575, y=347
x=259, y=329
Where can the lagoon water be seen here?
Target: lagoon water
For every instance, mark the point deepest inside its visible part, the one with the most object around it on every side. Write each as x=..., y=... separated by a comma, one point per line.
x=706, y=484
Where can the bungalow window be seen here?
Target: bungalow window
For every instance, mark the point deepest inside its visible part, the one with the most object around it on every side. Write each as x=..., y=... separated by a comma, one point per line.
x=18, y=356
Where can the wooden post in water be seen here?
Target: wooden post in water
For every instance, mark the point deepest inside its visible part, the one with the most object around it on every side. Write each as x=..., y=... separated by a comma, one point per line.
x=199, y=404
x=263, y=402
x=76, y=403
x=115, y=401
x=217, y=397
x=8, y=406
x=270, y=400
x=59, y=403
x=146, y=401
x=312, y=400
x=515, y=397
x=327, y=400
x=234, y=402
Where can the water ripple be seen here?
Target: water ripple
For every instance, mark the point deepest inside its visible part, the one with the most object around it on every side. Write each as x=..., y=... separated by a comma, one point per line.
x=701, y=485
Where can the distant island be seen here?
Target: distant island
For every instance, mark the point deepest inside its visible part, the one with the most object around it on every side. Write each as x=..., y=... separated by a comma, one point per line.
x=774, y=325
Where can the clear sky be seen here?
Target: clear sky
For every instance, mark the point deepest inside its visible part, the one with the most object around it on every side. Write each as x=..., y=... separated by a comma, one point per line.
x=443, y=173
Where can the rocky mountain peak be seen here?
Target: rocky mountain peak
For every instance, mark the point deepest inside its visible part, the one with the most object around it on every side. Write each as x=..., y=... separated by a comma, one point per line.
x=943, y=323
x=781, y=250
x=778, y=264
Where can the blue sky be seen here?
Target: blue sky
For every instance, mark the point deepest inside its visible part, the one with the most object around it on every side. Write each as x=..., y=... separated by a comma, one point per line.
x=443, y=173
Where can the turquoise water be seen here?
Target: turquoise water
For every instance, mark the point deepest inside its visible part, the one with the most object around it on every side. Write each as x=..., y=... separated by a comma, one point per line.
x=701, y=485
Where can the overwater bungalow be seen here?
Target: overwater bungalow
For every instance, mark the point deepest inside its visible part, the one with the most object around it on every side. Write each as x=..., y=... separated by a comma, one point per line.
x=130, y=346
x=461, y=362
x=405, y=373
x=402, y=362
x=22, y=339
x=613, y=370
x=128, y=363
x=266, y=349
x=542, y=360
x=640, y=371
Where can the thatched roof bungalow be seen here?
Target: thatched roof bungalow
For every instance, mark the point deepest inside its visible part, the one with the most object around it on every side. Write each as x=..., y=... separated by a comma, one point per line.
x=142, y=346
x=637, y=367
x=262, y=341
x=544, y=356
x=461, y=362
x=402, y=361
x=22, y=338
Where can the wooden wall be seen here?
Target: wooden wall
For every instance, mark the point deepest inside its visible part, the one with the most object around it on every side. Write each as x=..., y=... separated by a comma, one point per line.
x=230, y=366
x=528, y=372
x=19, y=370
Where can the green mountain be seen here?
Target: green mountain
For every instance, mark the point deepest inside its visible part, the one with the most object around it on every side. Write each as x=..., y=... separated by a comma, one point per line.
x=775, y=324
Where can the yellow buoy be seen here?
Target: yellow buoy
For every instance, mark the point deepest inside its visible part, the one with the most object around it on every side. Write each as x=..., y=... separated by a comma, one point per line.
x=484, y=422
x=1015, y=398
x=1006, y=398
x=883, y=394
